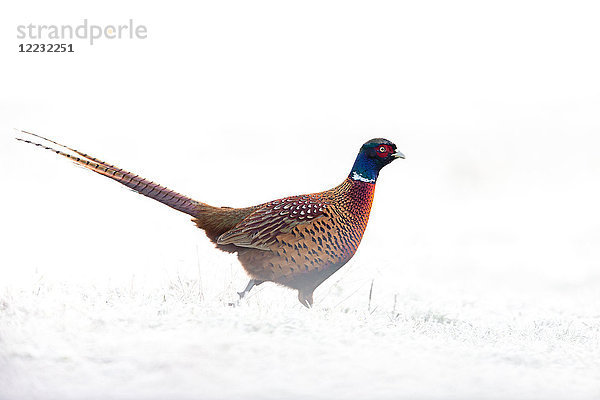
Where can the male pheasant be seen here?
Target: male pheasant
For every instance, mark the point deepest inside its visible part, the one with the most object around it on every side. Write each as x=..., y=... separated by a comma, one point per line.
x=297, y=241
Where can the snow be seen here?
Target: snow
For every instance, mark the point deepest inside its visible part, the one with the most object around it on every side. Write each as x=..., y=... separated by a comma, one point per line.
x=184, y=340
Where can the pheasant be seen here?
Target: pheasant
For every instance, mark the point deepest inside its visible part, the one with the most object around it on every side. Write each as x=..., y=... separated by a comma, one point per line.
x=297, y=241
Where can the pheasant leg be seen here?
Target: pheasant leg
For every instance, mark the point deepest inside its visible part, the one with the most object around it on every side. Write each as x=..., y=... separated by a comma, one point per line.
x=249, y=286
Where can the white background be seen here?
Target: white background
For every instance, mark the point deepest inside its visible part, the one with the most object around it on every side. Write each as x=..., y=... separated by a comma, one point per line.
x=495, y=104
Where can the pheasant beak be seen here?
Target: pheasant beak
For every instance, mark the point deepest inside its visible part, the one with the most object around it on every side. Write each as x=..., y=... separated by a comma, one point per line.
x=398, y=154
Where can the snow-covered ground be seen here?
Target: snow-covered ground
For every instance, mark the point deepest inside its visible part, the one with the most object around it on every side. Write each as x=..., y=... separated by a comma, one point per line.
x=420, y=338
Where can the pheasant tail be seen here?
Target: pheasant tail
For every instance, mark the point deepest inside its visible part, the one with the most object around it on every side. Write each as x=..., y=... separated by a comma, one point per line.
x=214, y=220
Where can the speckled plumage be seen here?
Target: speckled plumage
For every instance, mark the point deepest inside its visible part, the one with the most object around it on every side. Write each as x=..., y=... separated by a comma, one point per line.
x=300, y=251
x=297, y=241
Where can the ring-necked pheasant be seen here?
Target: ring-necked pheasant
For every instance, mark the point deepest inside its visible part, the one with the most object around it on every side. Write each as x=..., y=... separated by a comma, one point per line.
x=297, y=241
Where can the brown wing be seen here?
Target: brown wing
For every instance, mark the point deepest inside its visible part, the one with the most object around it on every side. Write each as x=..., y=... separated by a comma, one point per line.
x=260, y=229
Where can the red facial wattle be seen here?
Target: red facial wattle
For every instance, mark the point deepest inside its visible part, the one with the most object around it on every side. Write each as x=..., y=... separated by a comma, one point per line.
x=384, y=150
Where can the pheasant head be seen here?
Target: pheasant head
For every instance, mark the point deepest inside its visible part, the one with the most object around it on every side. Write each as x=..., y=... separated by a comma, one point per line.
x=372, y=157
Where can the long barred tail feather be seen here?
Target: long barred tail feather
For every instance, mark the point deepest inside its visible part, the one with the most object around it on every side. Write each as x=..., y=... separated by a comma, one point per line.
x=143, y=186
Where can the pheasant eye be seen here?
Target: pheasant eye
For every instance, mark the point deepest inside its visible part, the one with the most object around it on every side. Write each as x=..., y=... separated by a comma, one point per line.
x=383, y=151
